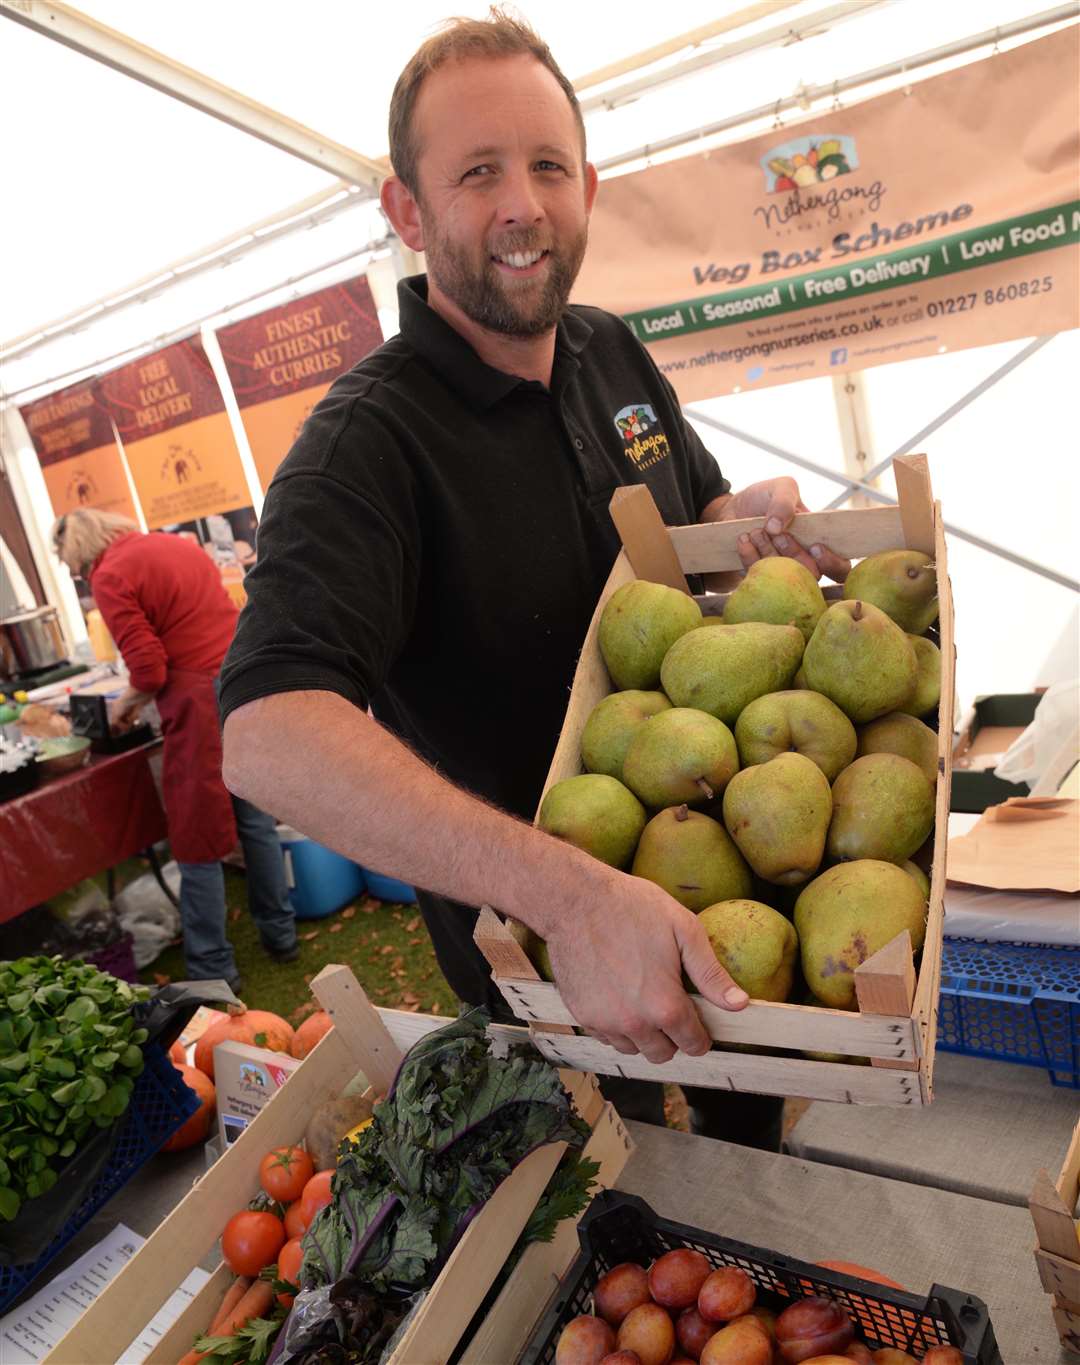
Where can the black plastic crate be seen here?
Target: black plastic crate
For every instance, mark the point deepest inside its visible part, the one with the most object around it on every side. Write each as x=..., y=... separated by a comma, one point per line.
x=621, y=1227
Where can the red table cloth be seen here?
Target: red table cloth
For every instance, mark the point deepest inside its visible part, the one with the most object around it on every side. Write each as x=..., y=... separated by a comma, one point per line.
x=77, y=825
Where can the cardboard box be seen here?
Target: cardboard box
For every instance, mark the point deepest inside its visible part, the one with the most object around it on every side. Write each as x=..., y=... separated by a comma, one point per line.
x=987, y=731
x=1027, y=843
x=246, y=1079
x=895, y=1025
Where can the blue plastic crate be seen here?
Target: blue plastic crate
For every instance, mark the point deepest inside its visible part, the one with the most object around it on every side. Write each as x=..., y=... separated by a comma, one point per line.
x=1018, y=1002
x=160, y=1104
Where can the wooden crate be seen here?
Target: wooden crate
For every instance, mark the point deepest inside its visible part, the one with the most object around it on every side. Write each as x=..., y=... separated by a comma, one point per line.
x=373, y=1041
x=895, y=1024
x=1057, y=1249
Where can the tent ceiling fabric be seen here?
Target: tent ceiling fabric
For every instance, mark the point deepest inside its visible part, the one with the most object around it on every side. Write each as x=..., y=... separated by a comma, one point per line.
x=108, y=180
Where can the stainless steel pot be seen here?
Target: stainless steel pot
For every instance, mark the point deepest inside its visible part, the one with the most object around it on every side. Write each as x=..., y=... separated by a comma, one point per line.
x=30, y=641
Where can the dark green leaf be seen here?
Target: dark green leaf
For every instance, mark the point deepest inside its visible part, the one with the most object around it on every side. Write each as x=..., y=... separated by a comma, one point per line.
x=9, y=1203
x=15, y=1061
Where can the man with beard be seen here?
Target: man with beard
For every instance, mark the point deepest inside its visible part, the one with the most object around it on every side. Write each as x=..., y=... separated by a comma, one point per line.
x=433, y=546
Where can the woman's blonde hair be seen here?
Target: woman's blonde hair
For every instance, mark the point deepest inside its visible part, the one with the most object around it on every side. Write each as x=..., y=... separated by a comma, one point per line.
x=81, y=535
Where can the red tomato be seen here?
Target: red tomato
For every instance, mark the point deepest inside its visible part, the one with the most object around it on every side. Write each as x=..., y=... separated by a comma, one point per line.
x=284, y=1172
x=251, y=1241
x=294, y=1220
x=316, y=1195
x=289, y=1261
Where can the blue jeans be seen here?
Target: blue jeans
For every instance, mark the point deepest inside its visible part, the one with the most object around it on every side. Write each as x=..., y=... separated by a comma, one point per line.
x=207, y=950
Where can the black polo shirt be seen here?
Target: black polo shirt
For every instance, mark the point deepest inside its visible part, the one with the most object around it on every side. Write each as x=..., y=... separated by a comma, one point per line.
x=434, y=543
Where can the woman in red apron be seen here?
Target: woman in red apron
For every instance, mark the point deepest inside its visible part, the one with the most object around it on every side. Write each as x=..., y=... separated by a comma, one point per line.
x=162, y=599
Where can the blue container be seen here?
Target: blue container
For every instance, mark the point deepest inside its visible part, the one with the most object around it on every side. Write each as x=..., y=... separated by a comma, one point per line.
x=387, y=889
x=319, y=880
x=1018, y=1002
x=160, y=1104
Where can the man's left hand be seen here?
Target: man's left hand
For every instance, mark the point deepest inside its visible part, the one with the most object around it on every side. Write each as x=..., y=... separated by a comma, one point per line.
x=778, y=500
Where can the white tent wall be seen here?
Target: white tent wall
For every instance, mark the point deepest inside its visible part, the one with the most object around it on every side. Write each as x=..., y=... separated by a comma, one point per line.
x=138, y=179
x=1005, y=468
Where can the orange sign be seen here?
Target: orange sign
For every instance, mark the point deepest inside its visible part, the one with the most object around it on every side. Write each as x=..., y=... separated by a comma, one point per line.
x=77, y=451
x=171, y=418
x=281, y=362
x=903, y=226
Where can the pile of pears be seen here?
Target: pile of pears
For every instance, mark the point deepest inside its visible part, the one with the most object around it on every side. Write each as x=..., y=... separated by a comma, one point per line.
x=769, y=768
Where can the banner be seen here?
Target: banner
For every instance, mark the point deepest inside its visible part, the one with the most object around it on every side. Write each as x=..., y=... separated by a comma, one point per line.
x=171, y=418
x=281, y=362
x=77, y=451
x=933, y=219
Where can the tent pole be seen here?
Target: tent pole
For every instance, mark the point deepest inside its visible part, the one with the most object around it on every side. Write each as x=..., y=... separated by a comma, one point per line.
x=950, y=412
x=875, y=494
x=76, y=30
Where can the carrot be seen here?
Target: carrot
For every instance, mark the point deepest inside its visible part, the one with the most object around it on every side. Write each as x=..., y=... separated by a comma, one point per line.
x=235, y=1293
x=257, y=1300
x=246, y=1299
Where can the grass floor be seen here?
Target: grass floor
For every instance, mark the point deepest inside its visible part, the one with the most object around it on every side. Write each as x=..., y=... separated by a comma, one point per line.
x=386, y=945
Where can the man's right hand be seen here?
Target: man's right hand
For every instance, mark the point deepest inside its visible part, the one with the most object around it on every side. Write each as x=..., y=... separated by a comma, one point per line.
x=618, y=960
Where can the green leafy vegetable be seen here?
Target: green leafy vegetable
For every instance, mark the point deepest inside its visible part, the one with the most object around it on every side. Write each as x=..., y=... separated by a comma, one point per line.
x=69, y=1053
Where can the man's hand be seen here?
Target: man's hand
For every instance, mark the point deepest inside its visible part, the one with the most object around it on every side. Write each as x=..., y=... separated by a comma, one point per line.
x=777, y=500
x=619, y=959
x=124, y=711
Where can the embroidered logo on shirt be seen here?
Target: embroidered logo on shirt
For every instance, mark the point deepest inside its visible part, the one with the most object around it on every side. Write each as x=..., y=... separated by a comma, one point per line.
x=644, y=442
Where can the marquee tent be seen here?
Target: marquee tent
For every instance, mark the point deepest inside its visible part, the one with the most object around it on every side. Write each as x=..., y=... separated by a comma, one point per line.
x=170, y=168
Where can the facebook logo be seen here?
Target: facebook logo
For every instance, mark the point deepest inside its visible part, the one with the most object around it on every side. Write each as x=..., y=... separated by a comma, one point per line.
x=839, y=356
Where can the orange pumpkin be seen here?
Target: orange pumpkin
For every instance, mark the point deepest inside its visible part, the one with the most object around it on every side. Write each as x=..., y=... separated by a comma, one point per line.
x=198, y=1125
x=257, y=1028
x=861, y=1272
x=314, y=1027
x=177, y=1053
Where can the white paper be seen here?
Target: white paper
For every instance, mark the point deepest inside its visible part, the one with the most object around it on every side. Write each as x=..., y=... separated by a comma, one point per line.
x=30, y=1332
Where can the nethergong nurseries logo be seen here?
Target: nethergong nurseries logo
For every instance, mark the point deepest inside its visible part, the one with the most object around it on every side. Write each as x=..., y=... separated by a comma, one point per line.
x=644, y=442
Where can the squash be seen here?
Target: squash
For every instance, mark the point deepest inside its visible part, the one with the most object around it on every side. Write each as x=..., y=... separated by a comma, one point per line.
x=257, y=1028
x=314, y=1027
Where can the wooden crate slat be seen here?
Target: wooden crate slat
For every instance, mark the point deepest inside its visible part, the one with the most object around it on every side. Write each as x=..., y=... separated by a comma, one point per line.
x=645, y=538
x=194, y=1321
x=475, y=1262
x=1068, y=1181
x=771, y=1025
x=1055, y=1227
x=360, y=1026
x=1058, y=1274
x=186, y=1234
x=837, y=1081
x=506, y=1329
x=711, y=547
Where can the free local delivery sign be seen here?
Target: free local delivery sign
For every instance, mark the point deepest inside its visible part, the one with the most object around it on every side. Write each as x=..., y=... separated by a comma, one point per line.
x=918, y=222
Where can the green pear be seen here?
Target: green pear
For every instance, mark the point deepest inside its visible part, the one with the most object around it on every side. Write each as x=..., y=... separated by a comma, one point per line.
x=805, y=722
x=899, y=733
x=902, y=583
x=539, y=956
x=778, y=814
x=638, y=625
x=678, y=756
x=594, y=813
x=611, y=726
x=756, y=945
x=778, y=590
x=922, y=881
x=692, y=858
x=799, y=680
x=860, y=660
x=846, y=915
x=883, y=808
x=927, y=692
x=722, y=669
